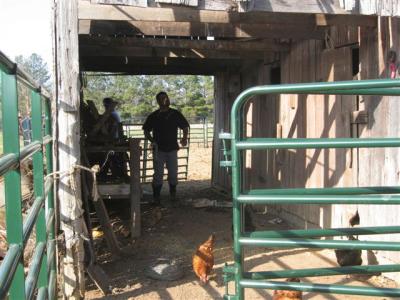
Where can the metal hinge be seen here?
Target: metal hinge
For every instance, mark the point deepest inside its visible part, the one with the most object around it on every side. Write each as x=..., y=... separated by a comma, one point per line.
x=225, y=136
x=225, y=163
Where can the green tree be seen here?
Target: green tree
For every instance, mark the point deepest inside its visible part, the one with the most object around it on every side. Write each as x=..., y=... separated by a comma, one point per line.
x=193, y=95
x=37, y=68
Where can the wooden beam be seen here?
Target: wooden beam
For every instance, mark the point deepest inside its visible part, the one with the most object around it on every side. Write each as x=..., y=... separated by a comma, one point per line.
x=90, y=11
x=296, y=6
x=292, y=6
x=238, y=45
x=147, y=66
x=136, y=190
x=346, y=20
x=200, y=29
x=172, y=53
x=202, y=4
x=68, y=144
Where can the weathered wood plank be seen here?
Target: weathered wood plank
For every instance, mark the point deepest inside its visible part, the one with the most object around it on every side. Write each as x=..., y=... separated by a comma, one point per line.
x=143, y=65
x=180, y=2
x=379, y=166
x=136, y=192
x=142, y=3
x=88, y=11
x=372, y=7
x=239, y=45
x=200, y=29
x=305, y=6
x=173, y=53
x=69, y=188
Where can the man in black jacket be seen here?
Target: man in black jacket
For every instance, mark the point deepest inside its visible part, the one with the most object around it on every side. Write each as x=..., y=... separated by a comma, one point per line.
x=161, y=129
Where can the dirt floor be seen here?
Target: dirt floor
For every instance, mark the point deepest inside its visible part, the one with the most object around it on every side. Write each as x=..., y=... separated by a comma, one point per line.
x=175, y=233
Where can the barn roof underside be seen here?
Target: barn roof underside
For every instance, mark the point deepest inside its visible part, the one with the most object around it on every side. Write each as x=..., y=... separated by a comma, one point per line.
x=175, y=39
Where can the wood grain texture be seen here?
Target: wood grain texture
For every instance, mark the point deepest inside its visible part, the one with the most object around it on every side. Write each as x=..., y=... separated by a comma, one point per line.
x=69, y=191
x=188, y=29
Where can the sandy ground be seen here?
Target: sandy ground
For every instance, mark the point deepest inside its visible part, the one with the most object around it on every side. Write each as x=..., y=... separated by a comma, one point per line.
x=181, y=229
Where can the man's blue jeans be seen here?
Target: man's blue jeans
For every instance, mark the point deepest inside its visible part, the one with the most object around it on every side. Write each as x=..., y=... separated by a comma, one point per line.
x=170, y=159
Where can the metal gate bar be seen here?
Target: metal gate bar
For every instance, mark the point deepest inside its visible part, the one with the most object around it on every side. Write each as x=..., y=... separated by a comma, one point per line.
x=41, y=277
x=296, y=238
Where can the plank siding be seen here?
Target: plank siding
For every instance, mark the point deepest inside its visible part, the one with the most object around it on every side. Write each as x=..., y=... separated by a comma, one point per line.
x=379, y=166
x=314, y=116
x=227, y=88
x=68, y=143
x=372, y=7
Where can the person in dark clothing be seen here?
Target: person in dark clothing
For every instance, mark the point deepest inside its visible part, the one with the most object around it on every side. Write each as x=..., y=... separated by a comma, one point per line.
x=161, y=129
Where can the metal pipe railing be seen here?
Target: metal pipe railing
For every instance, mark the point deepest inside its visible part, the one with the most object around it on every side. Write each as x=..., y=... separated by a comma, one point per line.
x=317, y=272
x=321, y=288
x=300, y=196
x=29, y=150
x=9, y=67
x=297, y=143
x=319, y=244
x=34, y=268
x=13, y=284
x=8, y=268
x=327, y=191
x=319, y=199
x=31, y=218
x=314, y=233
x=8, y=162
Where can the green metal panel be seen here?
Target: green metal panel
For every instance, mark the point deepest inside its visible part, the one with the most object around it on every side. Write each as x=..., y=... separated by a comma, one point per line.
x=313, y=233
x=34, y=268
x=321, y=288
x=32, y=217
x=50, y=219
x=326, y=191
x=321, y=244
x=12, y=179
x=38, y=181
x=319, y=199
x=314, y=272
x=8, y=268
x=268, y=143
x=296, y=238
x=12, y=280
x=7, y=162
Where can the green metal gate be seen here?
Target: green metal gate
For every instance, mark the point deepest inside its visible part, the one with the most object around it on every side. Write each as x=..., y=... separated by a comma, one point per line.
x=40, y=280
x=304, y=238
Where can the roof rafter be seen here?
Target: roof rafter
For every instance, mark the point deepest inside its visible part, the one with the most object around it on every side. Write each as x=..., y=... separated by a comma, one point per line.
x=175, y=43
x=200, y=29
x=89, y=11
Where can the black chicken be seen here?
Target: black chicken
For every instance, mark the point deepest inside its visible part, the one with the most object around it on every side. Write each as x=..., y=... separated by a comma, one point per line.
x=347, y=257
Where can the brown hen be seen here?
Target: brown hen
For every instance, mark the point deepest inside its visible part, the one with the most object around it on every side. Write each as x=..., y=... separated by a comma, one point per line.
x=288, y=295
x=203, y=259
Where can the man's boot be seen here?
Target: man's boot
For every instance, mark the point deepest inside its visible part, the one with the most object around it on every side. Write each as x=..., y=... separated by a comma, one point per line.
x=172, y=192
x=156, y=194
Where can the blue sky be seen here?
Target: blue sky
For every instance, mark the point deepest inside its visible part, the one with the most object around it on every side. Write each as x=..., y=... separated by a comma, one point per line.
x=25, y=28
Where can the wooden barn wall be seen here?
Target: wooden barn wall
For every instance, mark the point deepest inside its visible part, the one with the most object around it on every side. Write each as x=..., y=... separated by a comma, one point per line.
x=260, y=122
x=315, y=116
x=379, y=166
x=372, y=7
x=261, y=111
x=226, y=88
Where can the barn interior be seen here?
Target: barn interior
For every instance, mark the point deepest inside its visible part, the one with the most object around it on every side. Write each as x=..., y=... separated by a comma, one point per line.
x=244, y=44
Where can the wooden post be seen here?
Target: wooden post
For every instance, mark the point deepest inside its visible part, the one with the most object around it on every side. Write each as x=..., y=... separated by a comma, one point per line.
x=69, y=189
x=134, y=169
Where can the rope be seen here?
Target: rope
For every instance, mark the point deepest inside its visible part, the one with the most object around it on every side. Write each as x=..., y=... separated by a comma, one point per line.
x=94, y=170
x=108, y=153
